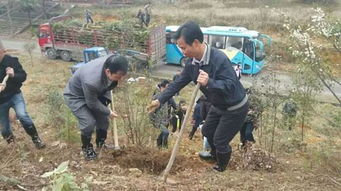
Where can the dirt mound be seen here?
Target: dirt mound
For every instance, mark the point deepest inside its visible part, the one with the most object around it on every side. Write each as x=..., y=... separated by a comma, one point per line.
x=154, y=161
x=252, y=158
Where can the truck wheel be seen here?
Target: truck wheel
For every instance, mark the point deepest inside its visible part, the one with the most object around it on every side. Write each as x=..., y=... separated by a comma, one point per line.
x=66, y=55
x=51, y=53
x=183, y=61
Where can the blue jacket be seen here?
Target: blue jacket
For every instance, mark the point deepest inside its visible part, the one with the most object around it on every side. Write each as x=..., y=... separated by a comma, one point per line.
x=223, y=89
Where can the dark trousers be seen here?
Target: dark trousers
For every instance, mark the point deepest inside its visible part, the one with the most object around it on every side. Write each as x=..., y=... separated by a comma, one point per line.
x=176, y=122
x=88, y=121
x=89, y=20
x=222, y=125
x=246, y=132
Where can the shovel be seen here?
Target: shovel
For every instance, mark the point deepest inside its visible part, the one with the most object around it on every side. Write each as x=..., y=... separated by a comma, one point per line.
x=4, y=81
x=116, y=148
x=177, y=143
x=114, y=125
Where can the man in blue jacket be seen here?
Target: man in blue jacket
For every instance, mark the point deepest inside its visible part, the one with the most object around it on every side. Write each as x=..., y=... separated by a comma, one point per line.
x=87, y=94
x=11, y=97
x=212, y=69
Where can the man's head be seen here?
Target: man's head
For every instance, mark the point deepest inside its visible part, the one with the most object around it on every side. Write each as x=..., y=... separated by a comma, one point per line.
x=190, y=39
x=2, y=51
x=115, y=67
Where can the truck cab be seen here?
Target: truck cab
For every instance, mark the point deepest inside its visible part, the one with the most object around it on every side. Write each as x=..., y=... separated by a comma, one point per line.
x=90, y=54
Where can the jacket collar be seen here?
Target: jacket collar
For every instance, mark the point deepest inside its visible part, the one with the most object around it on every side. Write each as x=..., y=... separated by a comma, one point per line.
x=206, y=57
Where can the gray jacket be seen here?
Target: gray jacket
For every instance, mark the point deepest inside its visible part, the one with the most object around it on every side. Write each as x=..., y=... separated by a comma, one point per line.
x=87, y=85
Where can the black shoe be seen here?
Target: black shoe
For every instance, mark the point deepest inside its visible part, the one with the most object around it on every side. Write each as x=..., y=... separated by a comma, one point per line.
x=222, y=161
x=191, y=134
x=10, y=139
x=38, y=142
x=159, y=142
x=101, y=136
x=208, y=156
x=89, y=153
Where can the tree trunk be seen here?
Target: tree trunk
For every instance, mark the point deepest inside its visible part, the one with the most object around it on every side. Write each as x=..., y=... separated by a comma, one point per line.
x=29, y=17
x=44, y=8
x=302, y=126
x=8, y=7
x=273, y=129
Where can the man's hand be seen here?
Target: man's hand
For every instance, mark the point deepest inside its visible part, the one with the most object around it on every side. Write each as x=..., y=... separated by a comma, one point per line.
x=113, y=114
x=10, y=72
x=2, y=87
x=203, y=78
x=153, y=106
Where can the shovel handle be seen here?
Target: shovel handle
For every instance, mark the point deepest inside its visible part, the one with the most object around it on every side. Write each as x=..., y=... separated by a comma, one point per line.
x=4, y=81
x=177, y=143
x=114, y=122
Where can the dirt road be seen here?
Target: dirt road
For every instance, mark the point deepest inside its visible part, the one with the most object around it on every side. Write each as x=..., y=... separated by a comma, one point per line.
x=19, y=45
x=167, y=71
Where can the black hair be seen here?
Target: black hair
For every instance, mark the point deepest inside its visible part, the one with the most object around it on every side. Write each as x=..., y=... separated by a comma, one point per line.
x=116, y=63
x=189, y=31
x=163, y=83
x=182, y=102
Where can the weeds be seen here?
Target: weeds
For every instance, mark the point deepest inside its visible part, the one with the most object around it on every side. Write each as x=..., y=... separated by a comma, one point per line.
x=133, y=99
x=62, y=180
x=60, y=117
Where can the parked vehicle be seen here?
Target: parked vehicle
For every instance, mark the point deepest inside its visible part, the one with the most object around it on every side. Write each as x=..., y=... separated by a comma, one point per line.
x=68, y=43
x=90, y=54
x=242, y=46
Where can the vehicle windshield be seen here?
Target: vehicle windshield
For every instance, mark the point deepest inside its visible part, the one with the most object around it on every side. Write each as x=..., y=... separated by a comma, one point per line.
x=102, y=53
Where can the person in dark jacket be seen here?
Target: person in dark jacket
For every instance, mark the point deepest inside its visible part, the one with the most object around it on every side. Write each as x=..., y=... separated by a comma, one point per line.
x=88, y=93
x=12, y=97
x=212, y=69
x=160, y=118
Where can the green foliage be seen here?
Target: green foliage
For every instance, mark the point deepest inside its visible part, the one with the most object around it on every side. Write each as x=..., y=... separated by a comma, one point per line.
x=29, y=47
x=123, y=34
x=28, y=5
x=133, y=99
x=60, y=117
x=266, y=100
x=62, y=180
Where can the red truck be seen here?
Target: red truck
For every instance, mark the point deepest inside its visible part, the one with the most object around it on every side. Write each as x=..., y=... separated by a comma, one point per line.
x=68, y=43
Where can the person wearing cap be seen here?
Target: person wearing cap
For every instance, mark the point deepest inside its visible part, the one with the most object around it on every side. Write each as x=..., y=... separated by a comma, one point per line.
x=218, y=81
x=12, y=97
x=88, y=93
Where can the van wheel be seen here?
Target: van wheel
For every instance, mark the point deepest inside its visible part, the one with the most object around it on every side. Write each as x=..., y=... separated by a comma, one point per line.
x=66, y=55
x=183, y=61
x=51, y=53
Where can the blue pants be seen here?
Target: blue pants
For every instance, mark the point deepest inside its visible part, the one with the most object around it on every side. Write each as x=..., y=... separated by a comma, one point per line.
x=16, y=102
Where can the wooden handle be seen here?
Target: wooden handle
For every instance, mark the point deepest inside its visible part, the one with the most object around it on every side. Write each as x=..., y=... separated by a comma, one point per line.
x=177, y=143
x=114, y=123
x=4, y=81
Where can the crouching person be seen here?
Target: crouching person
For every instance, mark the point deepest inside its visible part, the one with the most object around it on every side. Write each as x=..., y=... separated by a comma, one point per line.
x=87, y=94
x=160, y=117
x=11, y=97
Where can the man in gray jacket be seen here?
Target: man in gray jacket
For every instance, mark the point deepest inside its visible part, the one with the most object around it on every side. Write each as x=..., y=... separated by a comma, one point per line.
x=88, y=94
